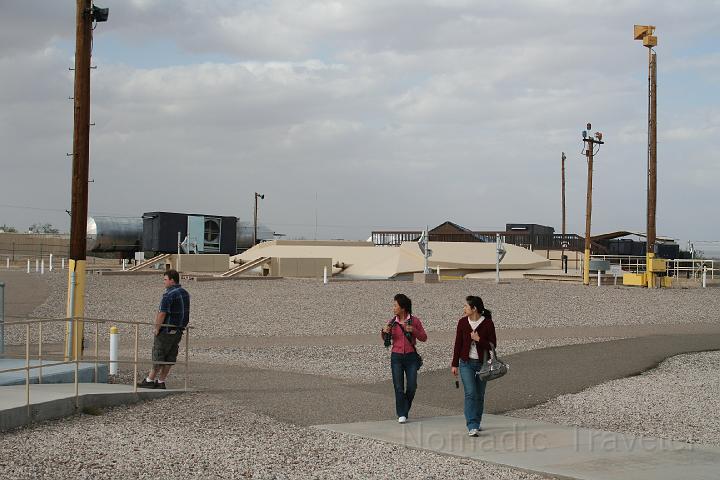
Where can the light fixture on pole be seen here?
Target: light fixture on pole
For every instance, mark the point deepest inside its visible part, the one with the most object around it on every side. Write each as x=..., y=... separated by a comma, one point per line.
x=645, y=33
x=590, y=139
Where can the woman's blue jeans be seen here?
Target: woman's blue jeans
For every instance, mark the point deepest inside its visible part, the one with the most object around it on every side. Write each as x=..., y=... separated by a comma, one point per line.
x=404, y=365
x=474, y=392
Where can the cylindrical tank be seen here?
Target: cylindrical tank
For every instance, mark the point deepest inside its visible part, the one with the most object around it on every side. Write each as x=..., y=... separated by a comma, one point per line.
x=245, y=234
x=114, y=234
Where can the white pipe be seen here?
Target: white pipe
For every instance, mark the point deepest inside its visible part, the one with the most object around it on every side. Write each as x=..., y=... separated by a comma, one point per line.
x=324, y=275
x=71, y=321
x=42, y=267
x=51, y=259
x=599, y=278
x=28, y=268
x=124, y=264
x=497, y=258
x=114, y=350
x=438, y=271
x=37, y=265
x=704, y=276
x=62, y=263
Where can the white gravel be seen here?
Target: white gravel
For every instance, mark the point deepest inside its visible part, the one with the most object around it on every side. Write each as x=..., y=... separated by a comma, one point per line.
x=358, y=363
x=679, y=400
x=202, y=436
x=306, y=307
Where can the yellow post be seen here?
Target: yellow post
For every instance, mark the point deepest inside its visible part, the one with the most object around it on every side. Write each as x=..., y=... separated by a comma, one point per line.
x=649, y=270
x=75, y=309
x=586, y=267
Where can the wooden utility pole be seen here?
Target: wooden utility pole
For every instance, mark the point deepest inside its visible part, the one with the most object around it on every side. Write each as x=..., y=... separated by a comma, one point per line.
x=652, y=162
x=646, y=34
x=562, y=244
x=589, y=153
x=81, y=163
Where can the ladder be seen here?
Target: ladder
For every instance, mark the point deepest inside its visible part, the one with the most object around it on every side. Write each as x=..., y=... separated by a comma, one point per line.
x=244, y=267
x=147, y=263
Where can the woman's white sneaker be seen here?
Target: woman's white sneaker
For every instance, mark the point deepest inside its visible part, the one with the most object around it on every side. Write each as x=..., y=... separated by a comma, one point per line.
x=402, y=419
x=473, y=432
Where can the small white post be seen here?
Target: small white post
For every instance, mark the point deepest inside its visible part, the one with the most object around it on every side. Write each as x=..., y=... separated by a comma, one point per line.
x=42, y=267
x=704, y=276
x=324, y=275
x=62, y=263
x=28, y=269
x=599, y=278
x=37, y=265
x=51, y=259
x=438, y=272
x=124, y=263
x=114, y=350
x=7, y=263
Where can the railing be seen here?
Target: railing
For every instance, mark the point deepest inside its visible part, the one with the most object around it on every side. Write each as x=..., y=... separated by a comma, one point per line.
x=691, y=268
x=84, y=359
x=570, y=242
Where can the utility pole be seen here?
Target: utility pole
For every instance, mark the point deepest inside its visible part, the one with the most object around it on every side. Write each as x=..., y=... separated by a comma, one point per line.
x=645, y=33
x=590, y=143
x=262, y=197
x=85, y=15
x=563, y=260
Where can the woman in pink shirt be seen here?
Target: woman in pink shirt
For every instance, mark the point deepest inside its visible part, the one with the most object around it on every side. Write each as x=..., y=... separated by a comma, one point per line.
x=404, y=329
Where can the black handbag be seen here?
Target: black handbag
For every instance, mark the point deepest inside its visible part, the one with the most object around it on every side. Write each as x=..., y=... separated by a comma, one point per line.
x=493, y=367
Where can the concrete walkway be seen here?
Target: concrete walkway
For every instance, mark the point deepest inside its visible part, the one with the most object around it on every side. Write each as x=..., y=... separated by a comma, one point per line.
x=548, y=449
x=58, y=400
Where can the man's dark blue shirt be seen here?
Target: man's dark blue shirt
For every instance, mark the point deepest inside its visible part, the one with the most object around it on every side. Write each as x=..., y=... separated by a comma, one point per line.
x=176, y=305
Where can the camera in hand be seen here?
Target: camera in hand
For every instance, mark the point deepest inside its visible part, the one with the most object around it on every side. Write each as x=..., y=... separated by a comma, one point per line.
x=387, y=337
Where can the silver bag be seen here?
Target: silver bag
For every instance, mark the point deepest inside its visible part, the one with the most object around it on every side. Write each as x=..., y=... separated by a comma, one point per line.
x=493, y=367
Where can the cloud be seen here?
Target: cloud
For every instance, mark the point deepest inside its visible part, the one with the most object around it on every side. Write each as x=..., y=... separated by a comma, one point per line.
x=400, y=113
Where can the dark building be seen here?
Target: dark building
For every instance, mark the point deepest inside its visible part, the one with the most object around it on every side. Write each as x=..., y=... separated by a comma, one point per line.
x=210, y=233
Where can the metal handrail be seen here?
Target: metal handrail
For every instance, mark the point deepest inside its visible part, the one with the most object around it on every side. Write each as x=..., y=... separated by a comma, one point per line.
x=96, y=358
x=674, y=266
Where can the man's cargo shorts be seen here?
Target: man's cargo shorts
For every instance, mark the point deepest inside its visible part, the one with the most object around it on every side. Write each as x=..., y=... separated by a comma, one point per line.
x=165, y=347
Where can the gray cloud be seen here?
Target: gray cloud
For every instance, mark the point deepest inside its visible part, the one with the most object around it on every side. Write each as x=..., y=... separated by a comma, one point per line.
x=392, y=113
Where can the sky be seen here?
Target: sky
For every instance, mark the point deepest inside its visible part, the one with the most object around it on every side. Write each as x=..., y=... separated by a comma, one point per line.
x=353, y=116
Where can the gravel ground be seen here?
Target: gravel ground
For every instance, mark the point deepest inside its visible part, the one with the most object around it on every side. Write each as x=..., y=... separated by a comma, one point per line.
x=306, y=307
x=679, y=400
x=360, y=363
x=203, y=436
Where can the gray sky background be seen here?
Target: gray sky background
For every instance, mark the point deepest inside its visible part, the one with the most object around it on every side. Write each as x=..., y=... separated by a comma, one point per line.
x=389, y=113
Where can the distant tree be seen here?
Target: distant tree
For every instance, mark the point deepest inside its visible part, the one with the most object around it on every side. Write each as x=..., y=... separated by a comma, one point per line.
x=7, y=229
x=42, y=228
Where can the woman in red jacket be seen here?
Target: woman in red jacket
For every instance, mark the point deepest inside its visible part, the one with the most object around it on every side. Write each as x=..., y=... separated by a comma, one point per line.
x=475, y=332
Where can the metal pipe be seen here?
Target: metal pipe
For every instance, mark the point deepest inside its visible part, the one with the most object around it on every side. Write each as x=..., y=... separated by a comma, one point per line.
x=135, y=364
x=27, y=367
x=2, y=318
x=187, y=354
x=77, y=372
x=71, y=326
x=96, y=351
x=40, y=352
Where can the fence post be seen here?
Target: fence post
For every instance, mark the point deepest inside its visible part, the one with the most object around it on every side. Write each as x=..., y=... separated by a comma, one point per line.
x=704, y=276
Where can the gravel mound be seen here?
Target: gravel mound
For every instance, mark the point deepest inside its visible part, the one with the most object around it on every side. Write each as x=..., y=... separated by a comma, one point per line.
x=307, y=307
x=679, y=400
x=202, y=436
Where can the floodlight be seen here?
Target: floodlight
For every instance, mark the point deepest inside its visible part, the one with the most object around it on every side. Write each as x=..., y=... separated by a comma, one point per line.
x=584, y=133
x=100, y=14
x=589, y=127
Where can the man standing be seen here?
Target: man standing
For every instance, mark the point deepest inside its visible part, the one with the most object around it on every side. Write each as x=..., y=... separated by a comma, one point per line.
x=172, y=318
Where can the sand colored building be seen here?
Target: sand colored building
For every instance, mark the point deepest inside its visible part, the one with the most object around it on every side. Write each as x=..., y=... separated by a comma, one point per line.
x=363, y=260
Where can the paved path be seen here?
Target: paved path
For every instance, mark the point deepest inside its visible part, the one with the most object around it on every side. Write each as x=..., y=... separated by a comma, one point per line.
x=549, y=449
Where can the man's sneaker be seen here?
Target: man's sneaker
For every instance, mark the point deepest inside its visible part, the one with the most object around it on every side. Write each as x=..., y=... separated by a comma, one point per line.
x=402, y=419
x=473, y=432
x=160, y=385
x=146, y=384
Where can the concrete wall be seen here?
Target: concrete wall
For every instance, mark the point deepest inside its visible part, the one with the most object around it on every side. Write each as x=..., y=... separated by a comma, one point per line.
x=210, y=263
x=300, y=267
